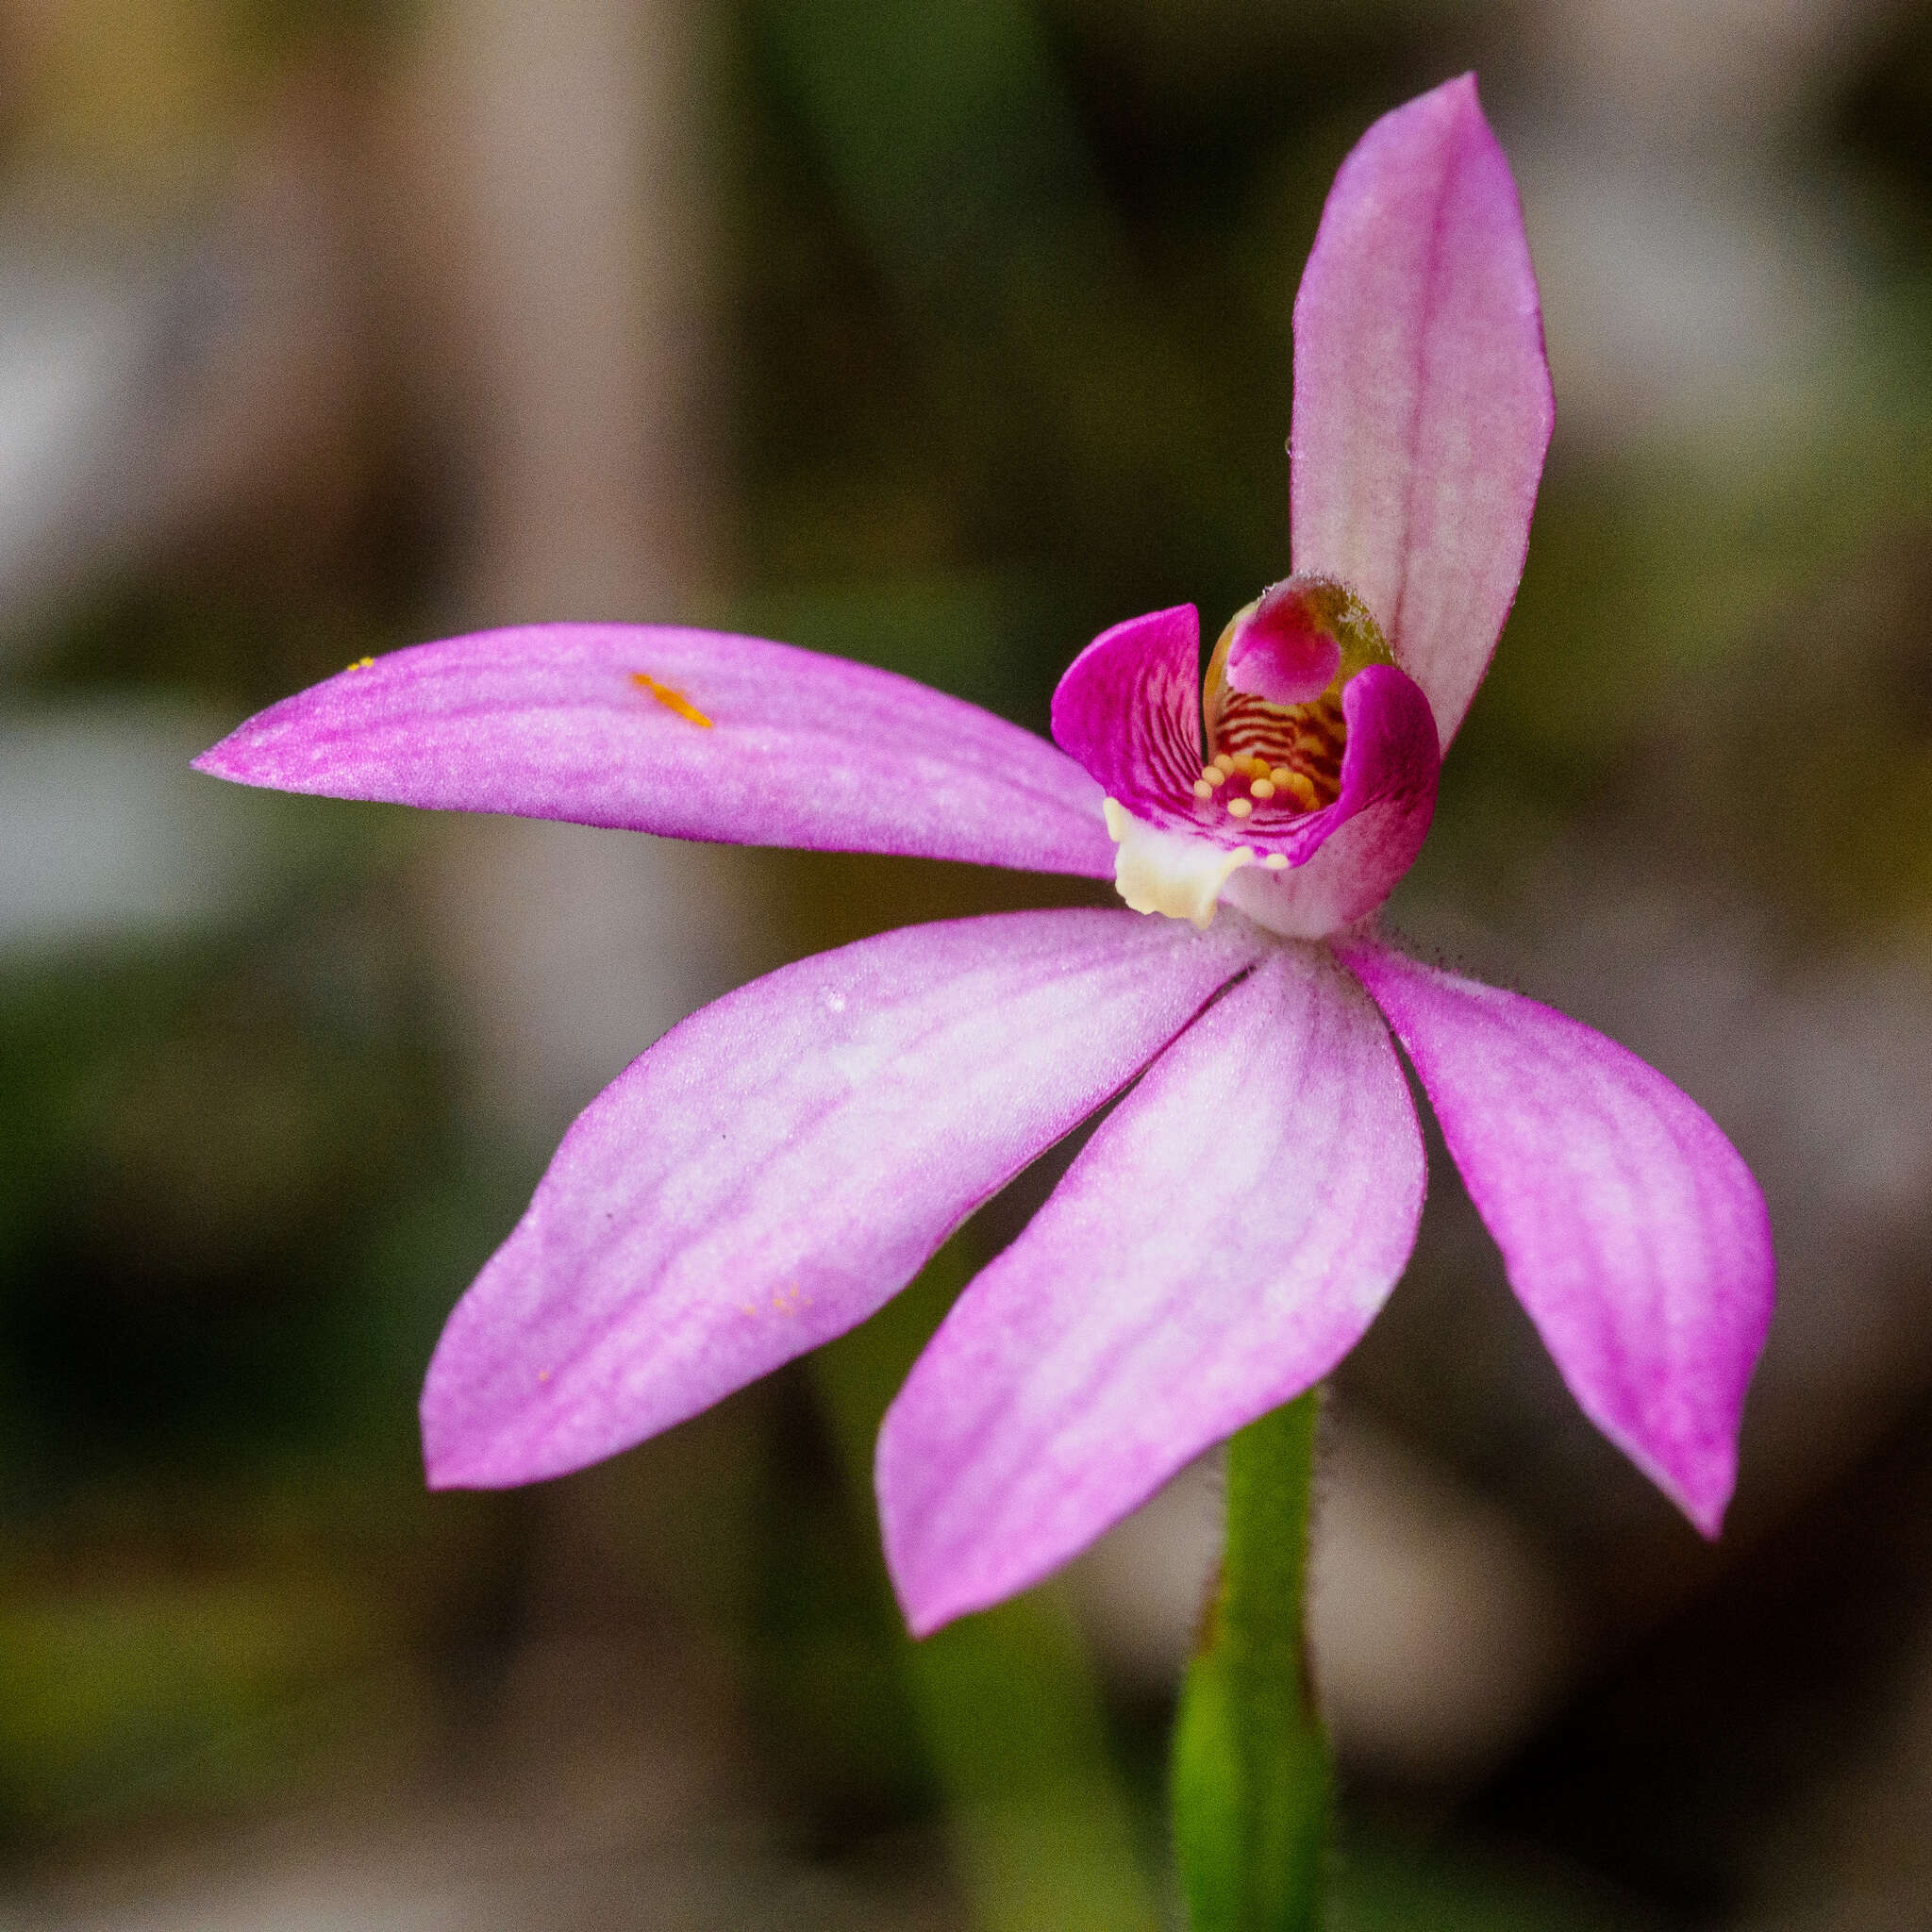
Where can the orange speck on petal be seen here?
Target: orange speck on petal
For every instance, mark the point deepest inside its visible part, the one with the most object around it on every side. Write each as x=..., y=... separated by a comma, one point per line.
x=671, y=700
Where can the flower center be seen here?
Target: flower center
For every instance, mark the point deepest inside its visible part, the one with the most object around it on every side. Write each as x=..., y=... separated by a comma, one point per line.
x=1272, y=698
x=1271, y=705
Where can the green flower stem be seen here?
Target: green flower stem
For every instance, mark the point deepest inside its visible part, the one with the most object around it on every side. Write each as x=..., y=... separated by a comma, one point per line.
x=1008, y=1706
x=1251, y=1774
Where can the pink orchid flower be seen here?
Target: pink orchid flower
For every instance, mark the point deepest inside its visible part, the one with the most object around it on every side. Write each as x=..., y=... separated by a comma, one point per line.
x=778, y=1165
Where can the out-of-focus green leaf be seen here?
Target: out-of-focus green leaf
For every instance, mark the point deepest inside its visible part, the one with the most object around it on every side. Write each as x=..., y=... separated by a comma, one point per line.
x=940, y=119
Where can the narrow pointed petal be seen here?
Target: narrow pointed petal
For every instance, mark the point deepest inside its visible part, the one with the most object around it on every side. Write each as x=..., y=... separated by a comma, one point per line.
x=1631, y=1230
x=689, y=733
x=783, y=1161
x=1422, y=396
x=1219, y=1245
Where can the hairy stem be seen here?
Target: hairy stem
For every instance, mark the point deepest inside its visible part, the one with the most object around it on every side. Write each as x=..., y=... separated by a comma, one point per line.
x=1251, y=1775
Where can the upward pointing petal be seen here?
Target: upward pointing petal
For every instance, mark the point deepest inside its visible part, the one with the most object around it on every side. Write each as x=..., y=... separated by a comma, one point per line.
x=689, y=733
x=781, y=1162
x=1631, y=1230
x=1422, y=396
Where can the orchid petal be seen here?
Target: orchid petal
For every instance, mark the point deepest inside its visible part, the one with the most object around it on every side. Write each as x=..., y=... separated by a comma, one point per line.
x=1129, y=710
x=783, y=1161
x=689, y=733
x=1630, y=1228
x=1219, y=1245
x=1422, y=396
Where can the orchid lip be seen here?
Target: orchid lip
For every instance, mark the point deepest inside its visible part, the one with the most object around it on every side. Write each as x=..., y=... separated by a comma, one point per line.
x=1275, y=713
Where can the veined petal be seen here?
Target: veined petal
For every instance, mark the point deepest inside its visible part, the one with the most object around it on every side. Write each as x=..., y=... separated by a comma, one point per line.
x=781, y=1162
x=1129, y=710
x=693, y=734
x=1422, y=396
x=1219, y=1245
x=1631, y=1230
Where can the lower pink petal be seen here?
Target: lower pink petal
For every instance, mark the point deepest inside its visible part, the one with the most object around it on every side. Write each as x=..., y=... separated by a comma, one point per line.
x=781, y=1162
x=1631, y=1230
x=1220, y=1244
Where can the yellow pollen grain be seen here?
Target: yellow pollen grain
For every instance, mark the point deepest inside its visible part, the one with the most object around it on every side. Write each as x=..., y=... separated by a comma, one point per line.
x=1277, y=862
x=671, y=700
x=1240, y=807
x=1262, y=788
x=1303, y=788
x=1224, y=764
x=1211, y=775
x=361, y=663
x=1282, y=774
x=1203, y=789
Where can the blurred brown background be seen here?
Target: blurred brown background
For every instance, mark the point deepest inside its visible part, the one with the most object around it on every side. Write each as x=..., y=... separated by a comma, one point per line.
x=940, y=333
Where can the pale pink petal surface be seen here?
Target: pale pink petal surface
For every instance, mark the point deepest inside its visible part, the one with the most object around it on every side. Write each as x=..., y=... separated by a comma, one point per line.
x=1422, y=396
x=781, y=1162
x=1631, y=1230
x=1219, y=1245
x=594, y=723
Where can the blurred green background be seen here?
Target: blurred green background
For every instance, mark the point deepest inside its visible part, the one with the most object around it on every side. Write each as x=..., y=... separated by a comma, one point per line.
x=941, y=333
